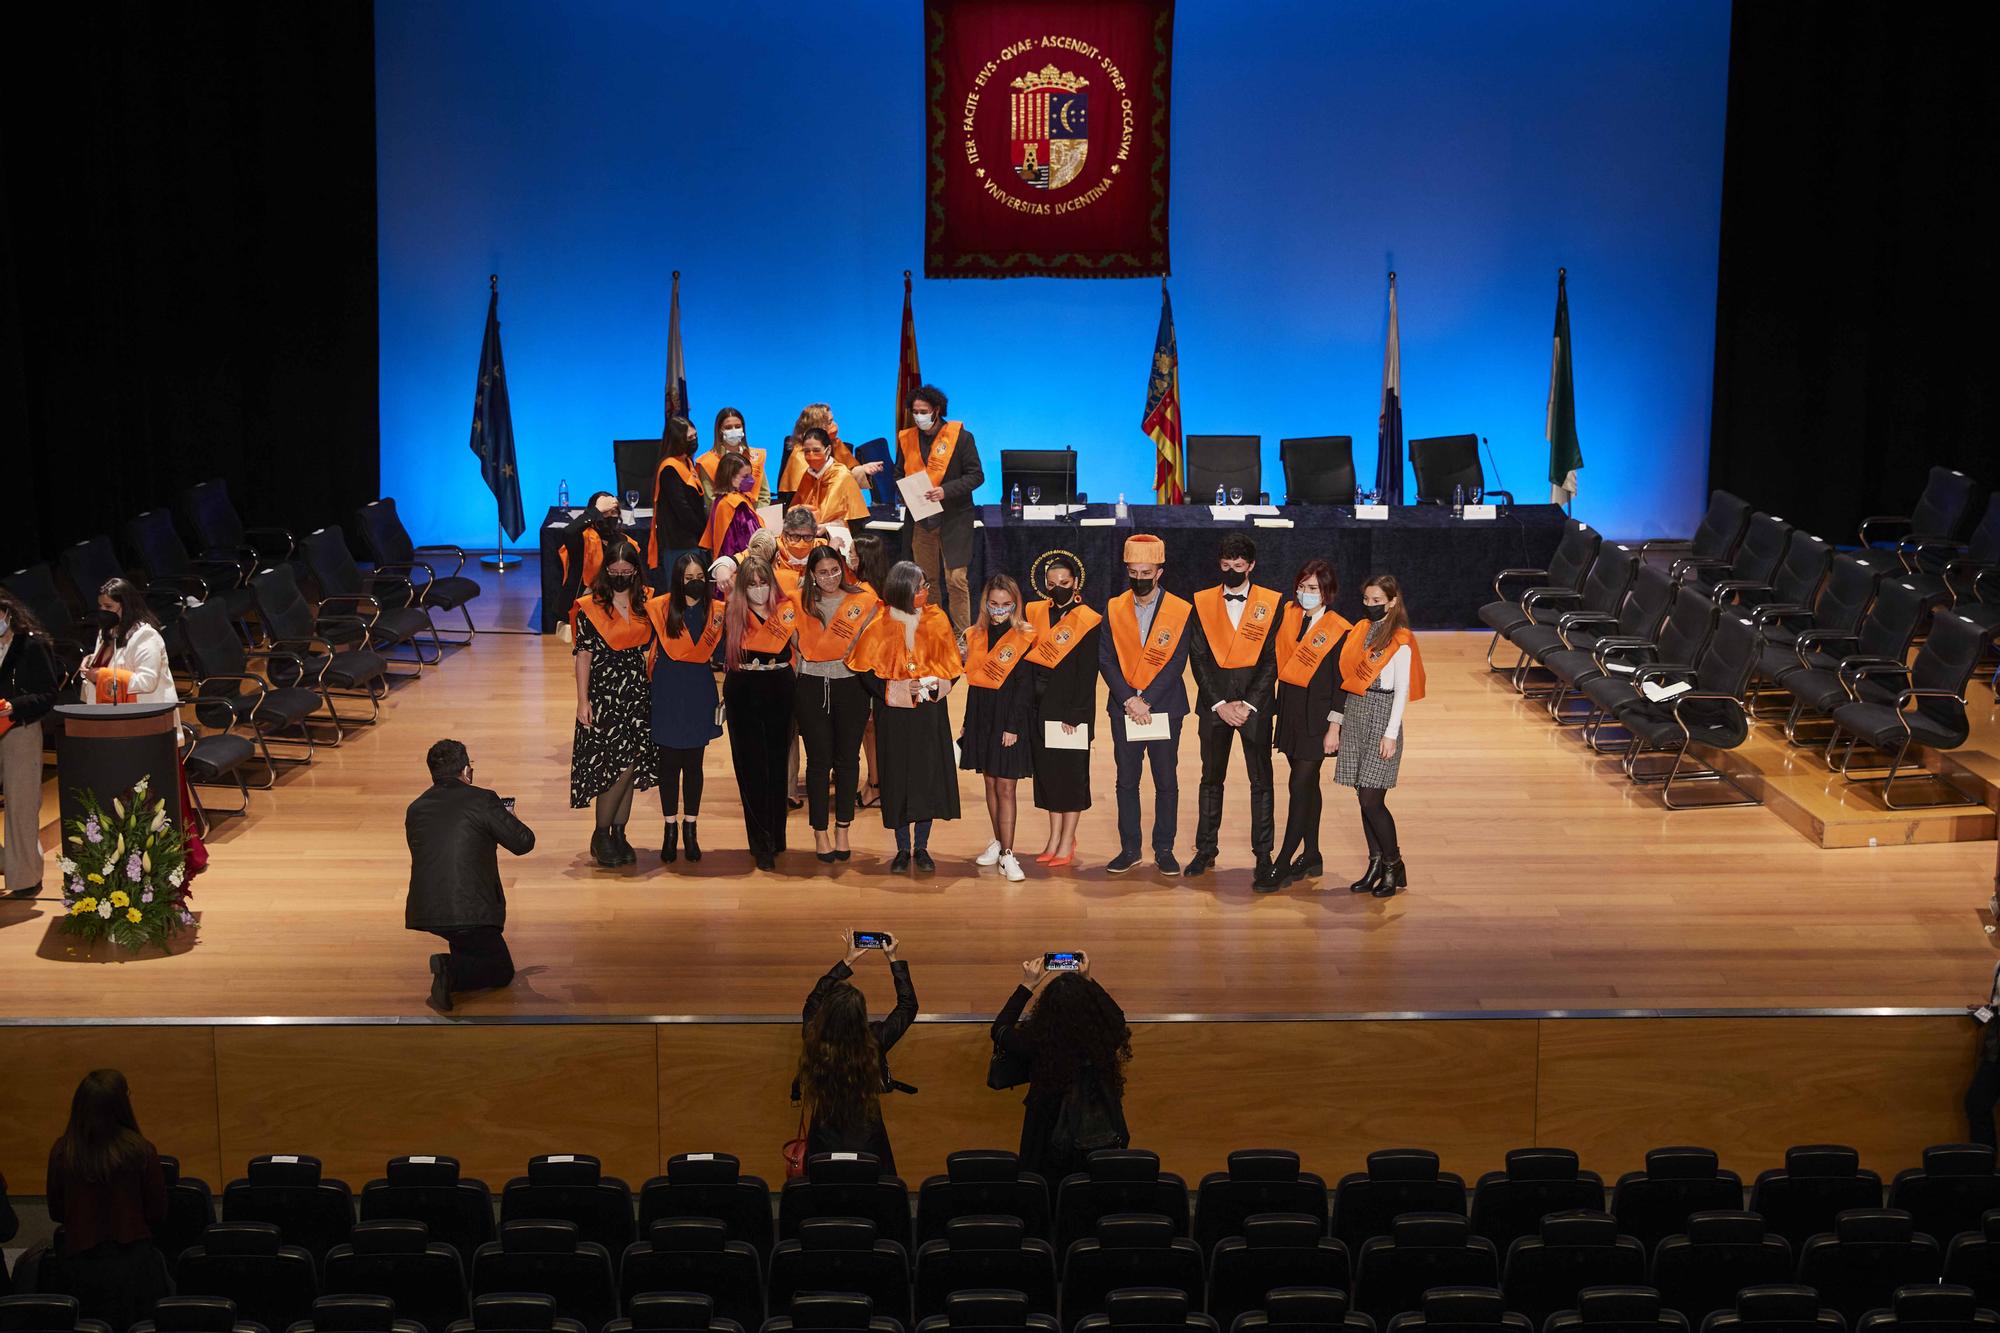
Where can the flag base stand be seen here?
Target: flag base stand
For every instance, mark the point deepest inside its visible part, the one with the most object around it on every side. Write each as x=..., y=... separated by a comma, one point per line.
x=499, y=560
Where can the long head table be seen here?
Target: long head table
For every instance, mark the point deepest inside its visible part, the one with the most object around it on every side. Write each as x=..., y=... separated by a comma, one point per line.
x=1446, y=565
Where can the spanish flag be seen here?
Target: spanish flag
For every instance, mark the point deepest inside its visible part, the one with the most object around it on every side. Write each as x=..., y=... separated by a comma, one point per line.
x=1162, y=422
x=908, y=378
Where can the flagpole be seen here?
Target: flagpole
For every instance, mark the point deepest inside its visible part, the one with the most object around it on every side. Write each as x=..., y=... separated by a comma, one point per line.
x=499, y=562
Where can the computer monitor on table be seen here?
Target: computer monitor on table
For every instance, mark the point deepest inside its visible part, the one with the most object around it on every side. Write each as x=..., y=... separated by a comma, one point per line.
x=1053, y=470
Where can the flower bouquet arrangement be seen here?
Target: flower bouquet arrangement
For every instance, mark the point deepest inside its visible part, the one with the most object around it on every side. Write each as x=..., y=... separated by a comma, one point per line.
x=125, y=872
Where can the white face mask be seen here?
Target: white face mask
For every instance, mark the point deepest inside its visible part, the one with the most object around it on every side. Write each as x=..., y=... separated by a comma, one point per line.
x=923, y=420
x=733, y=435
x=757, y=596
x=1309, y=599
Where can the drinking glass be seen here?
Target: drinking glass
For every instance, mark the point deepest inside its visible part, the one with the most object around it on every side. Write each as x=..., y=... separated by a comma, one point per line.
x=1034, y=495
x=1236, y=495
x=1473, y=493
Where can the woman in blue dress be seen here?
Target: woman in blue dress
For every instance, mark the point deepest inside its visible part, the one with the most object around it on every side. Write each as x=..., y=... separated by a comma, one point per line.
x=687, y=631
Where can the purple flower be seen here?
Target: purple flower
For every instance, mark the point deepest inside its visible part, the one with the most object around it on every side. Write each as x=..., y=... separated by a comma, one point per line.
x=132, y=867
x=93, y=830
x=187, y=917
x=75, y=887
x=146, y=897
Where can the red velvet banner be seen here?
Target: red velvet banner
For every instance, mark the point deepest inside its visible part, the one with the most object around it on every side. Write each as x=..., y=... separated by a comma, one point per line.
x=1046, y=152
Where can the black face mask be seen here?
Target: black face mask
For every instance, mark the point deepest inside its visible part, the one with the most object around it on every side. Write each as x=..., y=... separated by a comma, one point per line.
x=621, y=582
x=101, y=619
x=605, y=523
x=1233, y=578
x=1142, y=587
x=1061, y=596
x=695, y=589
x=1375, y=612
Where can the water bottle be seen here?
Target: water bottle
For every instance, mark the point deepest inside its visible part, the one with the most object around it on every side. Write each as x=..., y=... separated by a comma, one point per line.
x=1014, y=501
x=1221, y=495
x=562, y=494
x=1121, y=512
x=1458, y=501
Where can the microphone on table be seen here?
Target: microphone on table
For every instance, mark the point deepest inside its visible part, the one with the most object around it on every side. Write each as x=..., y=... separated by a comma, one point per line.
x=1499, y=484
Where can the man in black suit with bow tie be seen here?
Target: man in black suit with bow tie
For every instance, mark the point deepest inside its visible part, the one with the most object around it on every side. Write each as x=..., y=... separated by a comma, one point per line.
x=1235, y=663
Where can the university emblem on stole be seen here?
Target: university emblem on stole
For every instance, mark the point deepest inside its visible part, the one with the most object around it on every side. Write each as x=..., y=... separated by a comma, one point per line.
x=1049, y=130
x=1259, y=612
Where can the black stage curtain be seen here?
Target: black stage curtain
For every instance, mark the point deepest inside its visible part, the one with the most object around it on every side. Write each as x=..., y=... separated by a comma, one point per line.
x=1856, y=302
x=187, y=264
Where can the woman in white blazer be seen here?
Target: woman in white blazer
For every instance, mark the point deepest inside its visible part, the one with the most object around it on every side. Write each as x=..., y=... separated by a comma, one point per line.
x=129, y=663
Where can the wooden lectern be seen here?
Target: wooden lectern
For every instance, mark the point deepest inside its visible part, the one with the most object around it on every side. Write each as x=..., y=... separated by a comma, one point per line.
x=107, y=748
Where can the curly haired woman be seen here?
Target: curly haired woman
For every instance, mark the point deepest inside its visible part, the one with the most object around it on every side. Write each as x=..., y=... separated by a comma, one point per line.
x=1071, y=1050
x=843, y=1061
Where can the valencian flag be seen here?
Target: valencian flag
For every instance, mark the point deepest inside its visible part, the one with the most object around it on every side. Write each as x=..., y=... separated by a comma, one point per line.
x=1389, y=426
x=1162, y=421
x=908, y=378
x=493, y=424
x=677, y=375
x=1565, y=451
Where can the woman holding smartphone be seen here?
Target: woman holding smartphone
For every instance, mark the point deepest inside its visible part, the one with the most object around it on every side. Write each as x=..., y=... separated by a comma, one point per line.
x=907, y=661
x=1065, y=1037
x=1382, y=673
x=759, y=626
x=687, y=632
x=844, y=1058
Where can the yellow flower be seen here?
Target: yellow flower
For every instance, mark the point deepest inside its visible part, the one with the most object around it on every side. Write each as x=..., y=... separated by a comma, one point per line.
x=83, y=905
x=120, y=898
x=94, y=877
x=132, y=915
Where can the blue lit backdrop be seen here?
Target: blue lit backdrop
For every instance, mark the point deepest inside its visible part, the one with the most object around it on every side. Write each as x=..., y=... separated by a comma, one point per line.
x=771, y=150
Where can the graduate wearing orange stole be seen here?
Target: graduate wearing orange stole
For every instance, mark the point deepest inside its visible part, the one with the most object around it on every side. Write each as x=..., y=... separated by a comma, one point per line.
x=1063, y=669
x=1142, y=656
x=1236, y=675
x=1381, y=674
x=995, y=741
x=830, y=707
x=907, y=660
x=822, y=483
x=759, y=636
x=612, y=754
x=687, y=635
x=1309, y=638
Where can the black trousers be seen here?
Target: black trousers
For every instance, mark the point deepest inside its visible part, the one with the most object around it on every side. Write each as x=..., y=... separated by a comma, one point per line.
x=479, y=958
x=1303, y=806
x=1217, y=739
x=831, y=714
x=759, y=707
x=680, y=778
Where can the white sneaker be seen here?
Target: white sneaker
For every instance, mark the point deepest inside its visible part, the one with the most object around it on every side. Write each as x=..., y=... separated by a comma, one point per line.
x=1012, y=868
x=991, y=856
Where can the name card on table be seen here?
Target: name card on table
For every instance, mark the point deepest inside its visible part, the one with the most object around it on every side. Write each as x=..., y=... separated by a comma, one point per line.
x=884, y=525
x=630, y=516
x=1044, y=513
x=1228, y=513
x=1482, y=511
x=1106, y=522
x=1378, y=512
x=1273, y=522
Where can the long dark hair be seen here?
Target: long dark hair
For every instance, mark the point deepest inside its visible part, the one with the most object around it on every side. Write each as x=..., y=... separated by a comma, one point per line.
x=840, y=1064
x=103, y=1137
x=677, y=590
x=871, y=557
x=675, y=441
x=809, y=586
x=620, y=548
x=132, y=609
x=899, y=590
x=1396, y=617
x=23, y=621
x=1076, y=1026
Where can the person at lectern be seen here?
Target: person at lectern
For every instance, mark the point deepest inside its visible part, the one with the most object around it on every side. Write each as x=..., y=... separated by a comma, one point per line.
x=28, y=684
x=942, y=544
x=455, y=830
x=129, y=663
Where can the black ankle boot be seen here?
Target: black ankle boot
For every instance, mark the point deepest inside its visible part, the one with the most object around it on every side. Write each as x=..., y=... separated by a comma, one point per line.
x=1368, y=881
x=1393, y=878
x=602, y=849
x=692, y=847
x=668, y=852
x=1306, y=866
x=626, y=855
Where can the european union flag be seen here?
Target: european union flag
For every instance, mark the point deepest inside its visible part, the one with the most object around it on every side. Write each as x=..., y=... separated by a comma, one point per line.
x=493, y=426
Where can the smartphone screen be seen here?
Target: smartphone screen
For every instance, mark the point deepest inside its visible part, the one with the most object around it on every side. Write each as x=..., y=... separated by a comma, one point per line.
x=508, y=803
x=871, y=939
x=1062, y=962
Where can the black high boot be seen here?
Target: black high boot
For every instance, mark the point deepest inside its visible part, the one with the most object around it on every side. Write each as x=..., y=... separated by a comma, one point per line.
x=668, y=852
x=1369, y=880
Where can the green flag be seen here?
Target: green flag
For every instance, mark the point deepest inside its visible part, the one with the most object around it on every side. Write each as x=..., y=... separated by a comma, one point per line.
x=1565, y=451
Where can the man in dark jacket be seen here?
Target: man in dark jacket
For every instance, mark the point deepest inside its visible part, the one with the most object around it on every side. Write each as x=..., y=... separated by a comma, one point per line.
x=454, y=829
x=942, y=543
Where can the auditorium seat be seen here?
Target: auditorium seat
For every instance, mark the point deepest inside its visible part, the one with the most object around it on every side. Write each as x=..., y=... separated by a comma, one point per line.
x=1712, y=715
x=1129, y=1250
x=1931, y=1310
x=271, y=1283
x=1620, y=665
x=1843, y=600
x=1754, y=564
x=47, y=1312
x=517, y=1312
x=1972, y=1259
x=1715, y=538
x=846, y=1185
x=674, y=1312
x=1935, y=683
x=1461, y=1310
x=695, y=1254
x=353, y=1313
x=1719, y=1254
x=842, y=1254
x=197, y=1314
x=164, y=560
x=1817, y=679
x=220, y=533
x=549, y=1258
x=399, y=1260
x=572, y=1187
x=1817, y=1183
x=1118, y=1180
x=843, y=1310
x=1949, y=570
x=429, y=1189
x=227, y=695
x=711, y=1184
x=1566, y=571
x=1272, y=1250
x=387, y=543
x=1943, y=512
x=1675, y=1184
x=290, y=1193
x=1421, y=1251
x=1953, y=1190
x=1633, y=1309
x=1258, y=1180
x=1397, y=1181
x=386, y=603
x=1510, y=1203
x=985, y=1253
x=1319, y=469
x=1870, y=1253
x=1148, y=1310
x=35, y=585
x=1553, y=613
x=1782, y=1308
x=1637, y=623
x=353, y=671
x=985, y=1182
x=190, y=1210
x=87, y=566
x=1796, y=581
x=988, y=1312
x=1543, y=1273
x=217, y=759
x=1304, y=1310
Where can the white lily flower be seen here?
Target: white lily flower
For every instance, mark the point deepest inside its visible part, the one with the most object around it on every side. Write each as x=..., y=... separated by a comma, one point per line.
x=159, y=821
x=146, y=862
x=118, y=808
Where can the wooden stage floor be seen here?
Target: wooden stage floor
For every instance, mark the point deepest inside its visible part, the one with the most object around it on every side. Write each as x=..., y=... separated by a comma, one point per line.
x=1541, y=881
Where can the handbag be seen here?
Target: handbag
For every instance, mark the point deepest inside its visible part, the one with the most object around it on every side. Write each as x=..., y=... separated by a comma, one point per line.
x=1007, y=1070
x=794, y=1151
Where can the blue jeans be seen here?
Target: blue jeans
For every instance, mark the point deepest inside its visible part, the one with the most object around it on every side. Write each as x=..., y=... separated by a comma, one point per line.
x=923, y=828
x=1130, y=756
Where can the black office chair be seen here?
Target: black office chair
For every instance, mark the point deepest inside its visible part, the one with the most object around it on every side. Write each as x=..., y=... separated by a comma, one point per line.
x=882, y=486
x=1717, y=536
x=1225, y=461
x=35, y=585
x=221, y=534
x=635, y=463
x=153, y=538
x=386, y=603
x=1319, y=469
x=1944, y=513
x=1443, y=462
x=389, y=546
x=1936, y=684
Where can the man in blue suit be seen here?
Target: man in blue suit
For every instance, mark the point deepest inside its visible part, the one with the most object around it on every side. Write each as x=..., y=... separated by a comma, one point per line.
x=1143, y=658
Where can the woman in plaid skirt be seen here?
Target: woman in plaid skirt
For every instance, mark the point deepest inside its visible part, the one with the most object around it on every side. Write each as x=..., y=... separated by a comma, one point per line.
x=1381, y=673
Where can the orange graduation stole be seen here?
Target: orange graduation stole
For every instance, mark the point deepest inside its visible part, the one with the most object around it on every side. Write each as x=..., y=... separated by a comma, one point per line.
x=1053, y=645
x=711, y=460
x=834, y=496
x=629, y=632
x=1237, y=645
x=593, y=557
x=773, y=632
x=1140, y=662
x=685, y=472
x=1299, y=658
x=832, y=642
x=881, y=649
x=795, y=464
x=1360, y=664
x=987, y=666
x=941, y=446
x=719, y=519
x=682, y=647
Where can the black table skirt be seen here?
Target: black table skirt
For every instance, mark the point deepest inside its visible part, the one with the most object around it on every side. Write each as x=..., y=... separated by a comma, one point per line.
x=1446, y=565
